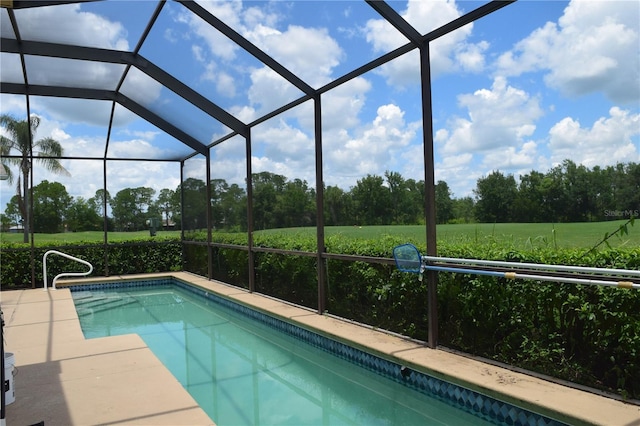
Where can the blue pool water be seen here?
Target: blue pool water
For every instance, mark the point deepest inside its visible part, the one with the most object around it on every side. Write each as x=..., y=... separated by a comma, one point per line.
x=245, y=372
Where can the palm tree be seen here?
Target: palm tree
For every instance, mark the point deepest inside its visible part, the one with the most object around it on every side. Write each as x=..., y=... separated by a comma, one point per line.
x=46, y=151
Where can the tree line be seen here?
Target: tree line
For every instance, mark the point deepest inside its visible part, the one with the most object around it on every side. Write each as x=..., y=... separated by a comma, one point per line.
x=566, y=193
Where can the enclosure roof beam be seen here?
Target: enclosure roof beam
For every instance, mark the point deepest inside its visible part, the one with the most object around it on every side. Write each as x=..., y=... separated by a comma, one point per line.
x=467, y=19
x=24, y=4
x=55, y=91
x=57, y=50
x=248, y=46
x=399, y=23
x=160, y=122
x=105, y=95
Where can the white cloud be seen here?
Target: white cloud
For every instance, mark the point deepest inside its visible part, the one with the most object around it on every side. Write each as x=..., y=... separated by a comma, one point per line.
x=217, y=43
x=375, y=148
x=270, y=91
x=471, y=56
x=134, y=148
x=246, y=114
x=344, y=104
x=495, y=135
x=225, y=84
x=593, y=47
x=284, y=143
x=125, y=174
x=60, y=135
x=500, y=117
x=11, y=70
x=228, y=161
x=282, y=148
x=13, y=105
x=80, y=27
x=310, y=53
x=609, y=140
x=141, y=88
x=67, y=110
x=148, y=135
x=511, y=158
x=459, y=173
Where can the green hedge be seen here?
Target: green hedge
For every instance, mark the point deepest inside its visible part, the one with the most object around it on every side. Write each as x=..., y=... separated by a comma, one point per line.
x=128, y=257
x=585, y=334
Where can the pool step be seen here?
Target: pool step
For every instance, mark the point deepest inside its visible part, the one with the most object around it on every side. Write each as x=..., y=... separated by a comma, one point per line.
x=97, y=299
x=103, y=304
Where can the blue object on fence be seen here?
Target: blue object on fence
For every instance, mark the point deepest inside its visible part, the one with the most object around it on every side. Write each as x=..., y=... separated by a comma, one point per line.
x=408, y=258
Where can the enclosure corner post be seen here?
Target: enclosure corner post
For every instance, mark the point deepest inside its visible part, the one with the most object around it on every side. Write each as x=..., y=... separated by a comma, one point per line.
x=320, y=247
x=430, y=193
x=251, y=261
x=209, y=215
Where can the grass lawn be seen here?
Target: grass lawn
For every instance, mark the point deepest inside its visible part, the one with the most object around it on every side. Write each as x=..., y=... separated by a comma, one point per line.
x=521, y=236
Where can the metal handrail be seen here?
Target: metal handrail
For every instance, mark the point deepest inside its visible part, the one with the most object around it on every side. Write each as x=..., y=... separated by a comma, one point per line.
x=64, y=274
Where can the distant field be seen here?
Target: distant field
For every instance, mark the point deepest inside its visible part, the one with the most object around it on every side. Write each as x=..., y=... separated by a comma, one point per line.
x=517, y=235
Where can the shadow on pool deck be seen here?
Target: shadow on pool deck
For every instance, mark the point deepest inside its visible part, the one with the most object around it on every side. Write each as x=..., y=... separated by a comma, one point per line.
x=63, y=379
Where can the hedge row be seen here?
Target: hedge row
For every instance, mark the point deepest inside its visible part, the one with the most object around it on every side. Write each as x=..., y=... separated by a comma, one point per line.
x=132, y=257
x=585, y=334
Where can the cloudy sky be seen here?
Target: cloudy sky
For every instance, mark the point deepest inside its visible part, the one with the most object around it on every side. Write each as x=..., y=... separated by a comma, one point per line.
x=522, y=89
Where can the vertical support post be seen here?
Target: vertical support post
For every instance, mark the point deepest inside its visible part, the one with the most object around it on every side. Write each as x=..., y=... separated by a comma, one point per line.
x=2, y=378
x=182, y=222
x=251, y=263
x=430, y=193
x=28, y=203
x=209, y=214
x=105, y=223
x=322, y=279
x=29, y=220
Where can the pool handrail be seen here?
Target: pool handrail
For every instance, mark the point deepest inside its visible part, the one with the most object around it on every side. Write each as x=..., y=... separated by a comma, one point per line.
x=64, y=274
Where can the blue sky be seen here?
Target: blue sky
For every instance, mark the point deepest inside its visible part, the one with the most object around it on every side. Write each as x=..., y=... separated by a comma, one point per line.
x=522, y=89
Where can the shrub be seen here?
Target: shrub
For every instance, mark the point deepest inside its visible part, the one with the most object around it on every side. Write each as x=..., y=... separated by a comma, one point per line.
x=129, y=257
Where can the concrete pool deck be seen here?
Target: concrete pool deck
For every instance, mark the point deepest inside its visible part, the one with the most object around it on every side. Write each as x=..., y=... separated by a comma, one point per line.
x=64, y=379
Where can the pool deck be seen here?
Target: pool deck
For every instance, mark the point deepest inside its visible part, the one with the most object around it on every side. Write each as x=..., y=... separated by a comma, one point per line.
x=64, y=379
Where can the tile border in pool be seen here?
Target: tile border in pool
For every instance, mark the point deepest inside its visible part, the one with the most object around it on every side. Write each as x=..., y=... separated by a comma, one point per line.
x=482, y=406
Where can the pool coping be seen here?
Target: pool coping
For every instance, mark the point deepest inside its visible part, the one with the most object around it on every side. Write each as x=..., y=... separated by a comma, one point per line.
x=562, y=403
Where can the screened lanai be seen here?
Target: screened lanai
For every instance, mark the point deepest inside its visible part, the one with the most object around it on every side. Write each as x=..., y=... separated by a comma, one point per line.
x=213, y=99
x=134, y=68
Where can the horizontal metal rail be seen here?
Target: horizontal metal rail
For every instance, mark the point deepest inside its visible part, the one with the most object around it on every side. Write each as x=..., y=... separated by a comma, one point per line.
x=538, y=277
x=409, y=259
x=622, y=278
x=541, y=266
x=64, y=274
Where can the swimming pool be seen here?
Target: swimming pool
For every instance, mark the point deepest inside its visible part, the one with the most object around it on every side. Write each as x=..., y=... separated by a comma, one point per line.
x=245, y=367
